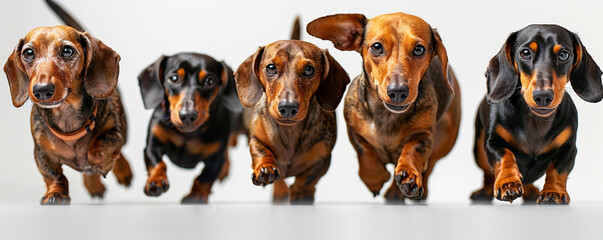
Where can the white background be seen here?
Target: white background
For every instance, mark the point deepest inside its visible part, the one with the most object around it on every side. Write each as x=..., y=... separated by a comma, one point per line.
x=140, y=31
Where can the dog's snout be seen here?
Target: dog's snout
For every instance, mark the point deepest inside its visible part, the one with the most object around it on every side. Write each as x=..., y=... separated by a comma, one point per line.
x=43, y=91
x=188, y=114
x=188, y=117
x=288, y=109
x=397, y=92
x=543, y=97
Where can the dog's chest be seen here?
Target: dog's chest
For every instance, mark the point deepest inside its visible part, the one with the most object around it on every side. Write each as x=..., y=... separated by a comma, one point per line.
x=72, y=153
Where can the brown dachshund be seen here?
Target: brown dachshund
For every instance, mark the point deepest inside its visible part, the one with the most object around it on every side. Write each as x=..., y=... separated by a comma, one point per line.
x=78, y=119
x=292, y=125
x=405, y=107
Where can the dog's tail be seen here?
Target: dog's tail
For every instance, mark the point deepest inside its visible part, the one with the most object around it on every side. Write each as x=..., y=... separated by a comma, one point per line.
x=295, y=33
x=64, y=16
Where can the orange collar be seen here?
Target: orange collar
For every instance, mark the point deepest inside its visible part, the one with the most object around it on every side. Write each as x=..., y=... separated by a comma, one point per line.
x=87, y=128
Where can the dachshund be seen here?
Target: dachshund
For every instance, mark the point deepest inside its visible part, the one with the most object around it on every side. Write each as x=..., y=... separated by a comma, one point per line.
x=196, y=115
x=404, y=108
x=292, y=88
x=526, y=125
x=78, y=118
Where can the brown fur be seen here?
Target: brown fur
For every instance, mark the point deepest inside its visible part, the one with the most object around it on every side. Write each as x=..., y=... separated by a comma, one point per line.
x=299, y=146
x=84, y=81
x=554, y=189
x=507, y=185
x=416, y=137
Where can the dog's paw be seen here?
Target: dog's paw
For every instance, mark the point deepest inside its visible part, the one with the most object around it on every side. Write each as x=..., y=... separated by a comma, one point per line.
x=482, y=196
x=508, y=189
x=194, y=199
x=410, y=182
x=55, y=198
x=547, y=197
x=265, y=174
x=156, y=185
x=95, y=187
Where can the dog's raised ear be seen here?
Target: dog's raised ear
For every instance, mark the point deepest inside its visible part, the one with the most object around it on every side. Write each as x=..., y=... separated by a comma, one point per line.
x=18, y=81
x=586, y=74
x=150, y=84
x=247, y=80
x=443, y=56
x=229, y=95
x=333, y=83
x=501, y=75
x=346, y=31
x=101, y=69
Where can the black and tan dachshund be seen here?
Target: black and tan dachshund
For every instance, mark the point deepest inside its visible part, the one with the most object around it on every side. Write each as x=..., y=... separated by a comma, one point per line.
x=196, y=117
x=78, y=118
x=526, y=126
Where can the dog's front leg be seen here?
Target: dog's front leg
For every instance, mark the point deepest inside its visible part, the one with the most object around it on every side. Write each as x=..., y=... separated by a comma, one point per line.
x=104, y=150
x=157, y=183
x=413, y=159
x=554, y=190
x=508, y=180
x=57, y=186
x=263, y=164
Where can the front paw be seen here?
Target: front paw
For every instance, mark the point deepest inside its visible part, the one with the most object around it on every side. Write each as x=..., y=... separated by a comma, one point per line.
x=553, y=198
x=55, y=198
x=194, y=199
x=410, y=182
x=265, y=174
x=508, y=189
x=156, y=185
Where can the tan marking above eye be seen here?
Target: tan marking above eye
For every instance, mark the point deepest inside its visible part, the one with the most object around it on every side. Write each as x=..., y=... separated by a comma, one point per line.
x=181, y=72
x=534, y=46
x=202, y=74
x=557, y=48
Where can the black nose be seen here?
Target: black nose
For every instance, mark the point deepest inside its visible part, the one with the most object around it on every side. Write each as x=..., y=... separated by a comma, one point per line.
x=43, y=91
x=288, y=109
x=188, y=117
x=397, y=93
x=543, y=97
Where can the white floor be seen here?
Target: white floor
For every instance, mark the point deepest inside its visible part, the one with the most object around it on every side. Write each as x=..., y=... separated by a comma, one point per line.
x=326, y=220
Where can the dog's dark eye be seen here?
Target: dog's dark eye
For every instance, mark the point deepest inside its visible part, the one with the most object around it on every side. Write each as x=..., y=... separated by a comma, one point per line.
x=309, y=71
x=28, y=54
x=209, y=81
x=271, y=69
x=525, y=54
x=419, y=50
x=377, y=48
x=174, y=78
x=563, y=56
x=67, y=51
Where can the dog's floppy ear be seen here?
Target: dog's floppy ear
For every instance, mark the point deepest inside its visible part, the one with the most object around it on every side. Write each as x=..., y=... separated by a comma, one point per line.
x=101, y=69
x=229, y=95
x=346, y=31
x=443, y=56
x=149, y=81
x=333, y=83
x=586, y=74
x=18, y=81
x=247, y=80
x=501, y=75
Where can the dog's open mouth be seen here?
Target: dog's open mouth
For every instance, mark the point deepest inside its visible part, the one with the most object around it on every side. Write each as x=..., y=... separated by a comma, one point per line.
x=285, y=122
x=543, y=111
x=396, y=109
x=187, y=128
x=50, y=104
